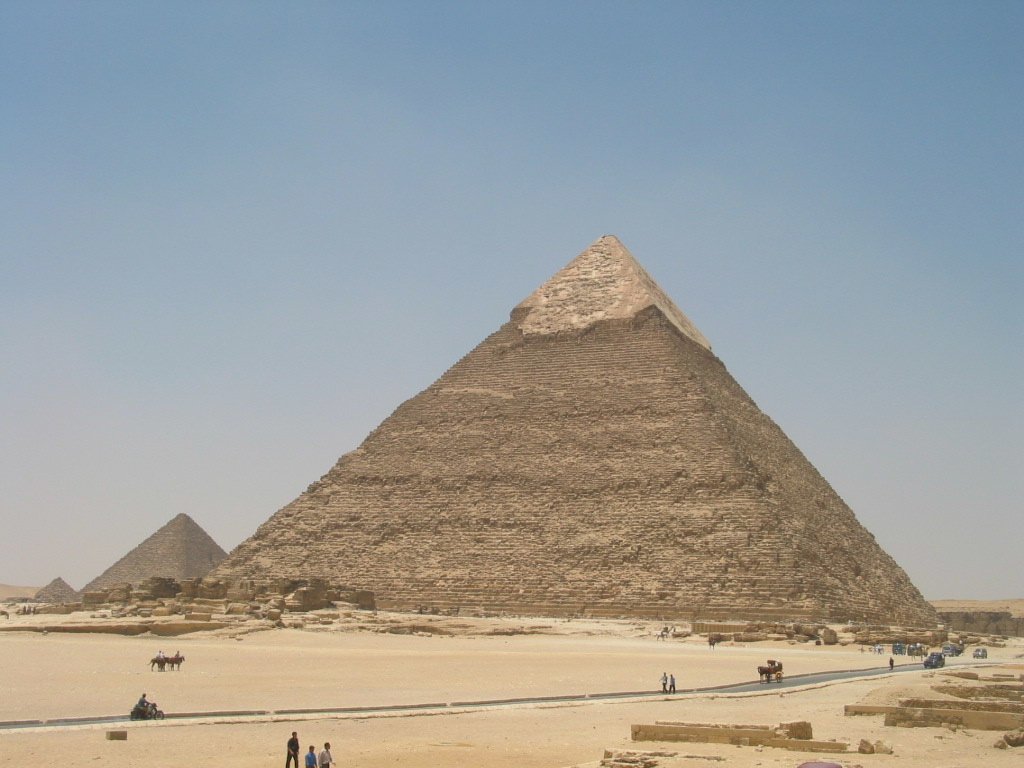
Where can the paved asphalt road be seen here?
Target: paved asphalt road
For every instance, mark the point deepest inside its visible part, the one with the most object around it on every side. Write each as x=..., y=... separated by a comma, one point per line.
x=793, y=681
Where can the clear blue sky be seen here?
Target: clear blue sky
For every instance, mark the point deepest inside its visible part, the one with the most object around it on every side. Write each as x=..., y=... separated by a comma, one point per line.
x=237, y=235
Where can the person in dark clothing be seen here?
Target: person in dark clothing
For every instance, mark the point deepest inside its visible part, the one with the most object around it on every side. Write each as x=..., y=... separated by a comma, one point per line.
x=293, y=751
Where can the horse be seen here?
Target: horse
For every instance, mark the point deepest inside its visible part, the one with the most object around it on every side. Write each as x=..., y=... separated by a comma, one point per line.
x=174, y=662
x=772, y=671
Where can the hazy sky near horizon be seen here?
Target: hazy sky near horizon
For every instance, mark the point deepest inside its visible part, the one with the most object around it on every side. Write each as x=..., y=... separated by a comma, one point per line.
x=236, y=236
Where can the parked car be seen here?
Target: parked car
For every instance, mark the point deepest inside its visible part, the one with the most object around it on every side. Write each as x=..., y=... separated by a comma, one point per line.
x=951, y=649
x=981, y=653
x=934, y=660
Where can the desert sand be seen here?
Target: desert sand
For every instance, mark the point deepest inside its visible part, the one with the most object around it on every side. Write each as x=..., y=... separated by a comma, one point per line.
x=66, y=675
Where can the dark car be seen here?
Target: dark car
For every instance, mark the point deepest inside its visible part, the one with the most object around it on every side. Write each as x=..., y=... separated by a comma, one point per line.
x=934, y=660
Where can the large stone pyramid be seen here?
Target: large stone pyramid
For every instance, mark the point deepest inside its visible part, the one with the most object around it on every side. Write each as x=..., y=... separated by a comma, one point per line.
x=58, y=591
x=179, y=550
x=593, y=457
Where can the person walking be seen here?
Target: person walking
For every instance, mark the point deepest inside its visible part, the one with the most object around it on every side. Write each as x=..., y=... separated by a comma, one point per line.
x=311, y=757
x=672, y=683
x=325, y=756
x=664, y=682
x=891, y=663
x=293, y=751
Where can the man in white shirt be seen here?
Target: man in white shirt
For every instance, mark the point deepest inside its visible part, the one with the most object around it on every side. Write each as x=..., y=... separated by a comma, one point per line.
x=325, y=756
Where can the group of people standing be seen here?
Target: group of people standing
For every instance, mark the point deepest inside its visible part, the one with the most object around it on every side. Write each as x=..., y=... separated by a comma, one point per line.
x=312, y=759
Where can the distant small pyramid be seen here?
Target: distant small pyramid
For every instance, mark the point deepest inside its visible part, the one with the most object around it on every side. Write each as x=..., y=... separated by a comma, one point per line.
x=57, y=591
x=179, y=550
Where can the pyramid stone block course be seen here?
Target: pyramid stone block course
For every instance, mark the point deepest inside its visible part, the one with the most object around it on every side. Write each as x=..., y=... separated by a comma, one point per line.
x=591, y=456
x=179, y=550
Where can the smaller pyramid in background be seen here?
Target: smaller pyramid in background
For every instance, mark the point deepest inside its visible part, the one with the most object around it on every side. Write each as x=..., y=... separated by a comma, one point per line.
x=58, y=591
x=179, y=550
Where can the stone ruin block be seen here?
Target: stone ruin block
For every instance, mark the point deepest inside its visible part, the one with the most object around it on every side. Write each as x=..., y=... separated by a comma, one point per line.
x=910, y=717
x=62, y=609
x=119, y=594
x=243, y=590
x=159, y=587
x=1014, y=738
x=213, y=590
x=188, y=588
x=307, y=598
x=874, y=747
x=363, y=599
x=799, y=729
x=749, y=637
x=96, y=597
x=786, y=736
x=632, y=759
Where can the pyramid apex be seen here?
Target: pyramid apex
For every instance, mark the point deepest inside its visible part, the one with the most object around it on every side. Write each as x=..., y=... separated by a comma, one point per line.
x=604, y=282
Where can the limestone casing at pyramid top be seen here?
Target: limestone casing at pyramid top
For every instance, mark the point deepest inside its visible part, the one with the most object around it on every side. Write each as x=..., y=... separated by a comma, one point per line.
x=605, y=282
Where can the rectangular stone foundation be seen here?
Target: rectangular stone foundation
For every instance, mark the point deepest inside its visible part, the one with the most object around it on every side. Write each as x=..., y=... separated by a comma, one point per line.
x=921, y=717
x=748, y=735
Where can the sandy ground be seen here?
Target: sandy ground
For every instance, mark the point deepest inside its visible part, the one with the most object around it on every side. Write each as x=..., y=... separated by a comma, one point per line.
x=62, y=675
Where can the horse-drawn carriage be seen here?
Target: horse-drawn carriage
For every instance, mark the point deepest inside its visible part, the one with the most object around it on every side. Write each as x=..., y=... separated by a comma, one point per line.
x=772, y=671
